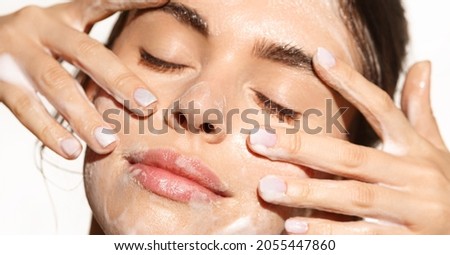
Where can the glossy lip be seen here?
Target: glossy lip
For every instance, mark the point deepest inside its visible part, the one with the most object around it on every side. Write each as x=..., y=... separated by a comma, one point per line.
x=175, y=176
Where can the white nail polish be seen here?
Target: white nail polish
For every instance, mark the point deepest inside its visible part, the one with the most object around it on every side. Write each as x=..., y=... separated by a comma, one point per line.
x=104, y=136
x=71, y=147
x=144, y=97
x=295, y=226
x=325, y=58
x=264, y=138
x=272, y=188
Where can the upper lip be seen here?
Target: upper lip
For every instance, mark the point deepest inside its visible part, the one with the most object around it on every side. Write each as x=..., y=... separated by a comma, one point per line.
x=181, y=165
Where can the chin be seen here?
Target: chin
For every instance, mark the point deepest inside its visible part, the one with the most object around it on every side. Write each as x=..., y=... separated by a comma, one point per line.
x=163, y=192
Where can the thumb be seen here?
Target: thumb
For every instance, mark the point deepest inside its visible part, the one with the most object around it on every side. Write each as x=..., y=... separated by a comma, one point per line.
x=416, y=103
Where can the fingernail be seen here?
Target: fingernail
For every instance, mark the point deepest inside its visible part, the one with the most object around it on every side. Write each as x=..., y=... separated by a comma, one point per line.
x=104, y=136
x=272, y=187
x=144, y=97
x=296, y=226
x=325, y=58
x=71, y=147
x=264, y=138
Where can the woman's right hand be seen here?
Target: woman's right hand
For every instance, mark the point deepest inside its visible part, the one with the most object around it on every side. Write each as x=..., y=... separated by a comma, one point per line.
x=31, y=41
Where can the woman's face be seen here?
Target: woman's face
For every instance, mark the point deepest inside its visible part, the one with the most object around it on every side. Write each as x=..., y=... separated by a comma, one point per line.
x=217, y=68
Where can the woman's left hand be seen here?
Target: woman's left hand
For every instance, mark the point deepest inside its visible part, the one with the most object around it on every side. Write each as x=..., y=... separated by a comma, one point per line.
x=403, y=188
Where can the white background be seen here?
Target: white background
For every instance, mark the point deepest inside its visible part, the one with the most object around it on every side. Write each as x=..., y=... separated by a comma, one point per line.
x=31, y=205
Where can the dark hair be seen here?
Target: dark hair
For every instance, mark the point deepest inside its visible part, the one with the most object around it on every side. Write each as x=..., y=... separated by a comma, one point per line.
x=381, y=32
x=379, y=28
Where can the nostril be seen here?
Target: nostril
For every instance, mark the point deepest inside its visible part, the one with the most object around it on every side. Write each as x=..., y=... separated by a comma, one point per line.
x=208, y=128
x=181, y=119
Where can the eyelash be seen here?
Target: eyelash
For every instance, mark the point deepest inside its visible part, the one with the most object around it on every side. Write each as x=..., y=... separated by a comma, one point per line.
x=283, y=114
x=157, y=64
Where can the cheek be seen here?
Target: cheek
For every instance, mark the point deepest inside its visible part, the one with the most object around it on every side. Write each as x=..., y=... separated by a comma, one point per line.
x=104, y=187
x=244, y=170
x=121, y=207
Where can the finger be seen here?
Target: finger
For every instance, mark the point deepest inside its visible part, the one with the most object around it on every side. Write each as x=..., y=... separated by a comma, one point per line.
x=416, y=103
x=375, y=104
x=93, y=11
x=311, y=226
x=337, y=196
x=67, y=96
x=27, y=108
x=103, y=66
x=330, y=155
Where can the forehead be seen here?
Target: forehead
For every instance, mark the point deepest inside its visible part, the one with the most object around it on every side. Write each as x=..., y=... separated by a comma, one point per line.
x=305, y=23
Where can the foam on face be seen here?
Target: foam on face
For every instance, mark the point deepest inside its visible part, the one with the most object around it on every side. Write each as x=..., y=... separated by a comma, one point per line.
x=242, y=225
x=245, y=220
x=12, y=74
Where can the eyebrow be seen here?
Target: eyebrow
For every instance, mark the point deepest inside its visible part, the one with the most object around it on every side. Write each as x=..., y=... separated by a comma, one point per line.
x=285, y=54
x=183, y=14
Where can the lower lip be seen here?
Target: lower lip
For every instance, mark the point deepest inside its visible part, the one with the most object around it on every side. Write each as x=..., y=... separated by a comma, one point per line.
x=171, y=186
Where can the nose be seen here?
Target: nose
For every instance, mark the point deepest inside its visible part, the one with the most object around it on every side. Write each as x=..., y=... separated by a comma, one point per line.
x=199, y=111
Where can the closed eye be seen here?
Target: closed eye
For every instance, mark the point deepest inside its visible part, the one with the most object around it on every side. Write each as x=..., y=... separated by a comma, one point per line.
x=157, y=64
x=283, y=113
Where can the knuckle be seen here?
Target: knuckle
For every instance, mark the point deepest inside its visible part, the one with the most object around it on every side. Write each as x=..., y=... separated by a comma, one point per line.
x=293, y=144
x=17, y=21
x=28, y=13
x=439, y=212
x=429, y=174
x=122, y=81
x=352, y=156
x=86, y=47
x=361, y=195
x=305, y=193
x=53, y=78
x=21, y=104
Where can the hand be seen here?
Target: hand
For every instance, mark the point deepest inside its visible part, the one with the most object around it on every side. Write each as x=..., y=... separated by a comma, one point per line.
x=403, y=188
x=30, y=42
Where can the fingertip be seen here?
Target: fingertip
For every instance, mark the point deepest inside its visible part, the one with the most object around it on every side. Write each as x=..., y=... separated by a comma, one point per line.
x=263, y=137
x=106, y=138
x=71, y=148
x=263, y=142
x=327, y=67
x=296, y=226
x=419, y=74
x=423, y=64
x=417, y=86
x=325, y=58
x=272, y=188
x=144, y=97
x=146, y=102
